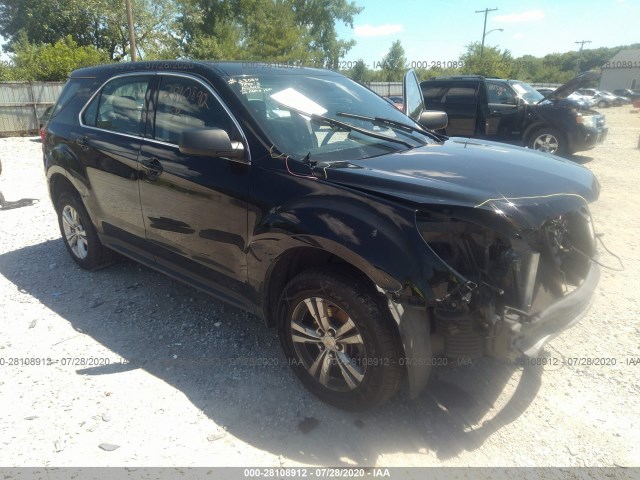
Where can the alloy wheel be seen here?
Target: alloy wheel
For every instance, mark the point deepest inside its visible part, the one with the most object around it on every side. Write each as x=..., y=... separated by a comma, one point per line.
x=74, y=232
x=329, y=344
x=546, y=143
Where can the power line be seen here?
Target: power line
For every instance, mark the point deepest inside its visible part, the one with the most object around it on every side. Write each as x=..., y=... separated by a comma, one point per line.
x=486, y=12
x=132, y=36
x=581, y=42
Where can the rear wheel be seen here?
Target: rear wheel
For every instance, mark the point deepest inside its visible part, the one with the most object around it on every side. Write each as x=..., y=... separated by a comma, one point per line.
x=548, y=141
x=79, y=235
x=339, y=340
x=602, y=104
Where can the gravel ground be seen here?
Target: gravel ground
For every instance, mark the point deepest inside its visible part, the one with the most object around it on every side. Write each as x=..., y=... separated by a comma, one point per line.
x=149, y=372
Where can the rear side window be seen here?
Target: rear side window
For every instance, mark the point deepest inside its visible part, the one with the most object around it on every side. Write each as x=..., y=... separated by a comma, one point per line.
x=184, y=103
x=119, y=106
x=450, y=93
x=73, y=88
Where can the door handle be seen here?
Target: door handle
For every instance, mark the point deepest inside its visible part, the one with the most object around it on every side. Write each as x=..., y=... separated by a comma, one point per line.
x=152, y=166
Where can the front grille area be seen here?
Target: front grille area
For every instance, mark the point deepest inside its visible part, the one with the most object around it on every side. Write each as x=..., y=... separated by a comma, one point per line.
x=566, y=245
x=496, y=281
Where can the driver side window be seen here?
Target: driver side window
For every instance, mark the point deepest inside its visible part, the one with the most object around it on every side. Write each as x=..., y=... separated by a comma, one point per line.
x=500, y=94
x=183, y=104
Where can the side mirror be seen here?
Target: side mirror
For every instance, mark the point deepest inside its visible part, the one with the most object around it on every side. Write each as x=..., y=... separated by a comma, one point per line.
x=434, y=119
x=210, y=142
x=412, y=93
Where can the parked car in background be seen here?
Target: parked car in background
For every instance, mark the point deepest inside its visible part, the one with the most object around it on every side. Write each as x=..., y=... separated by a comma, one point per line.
x=370, y=242
x=581, y=101
x=618, y=99
x=396, y=100
x=603, y=99
x=544, y=90
x=628, y=93
x=512, y=111
x=574, y=99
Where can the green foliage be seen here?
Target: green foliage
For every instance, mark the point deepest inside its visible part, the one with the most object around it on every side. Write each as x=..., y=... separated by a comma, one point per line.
x=7, y=72
x=265, y=39
x=52, y=62
x=490, y=63
x=394, y=63
x=98, y=23
x=360, y=72
x=267, y=30
x=318, y=19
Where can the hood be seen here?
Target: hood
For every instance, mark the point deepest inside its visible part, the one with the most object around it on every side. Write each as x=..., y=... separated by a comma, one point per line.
x=572, y=85
x=514, y=181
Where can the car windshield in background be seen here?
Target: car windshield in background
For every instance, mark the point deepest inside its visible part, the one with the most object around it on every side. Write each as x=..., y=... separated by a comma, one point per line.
x=527, y=92
x=314, y=115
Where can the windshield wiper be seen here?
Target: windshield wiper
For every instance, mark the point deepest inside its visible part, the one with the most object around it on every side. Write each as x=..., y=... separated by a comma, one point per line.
x=393, y=123
x=348, y=127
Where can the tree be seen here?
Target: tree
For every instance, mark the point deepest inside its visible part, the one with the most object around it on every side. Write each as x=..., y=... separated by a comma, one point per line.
x=98, y=23
x=492, y=63
x=318, y=18
x=360, y=73
x=301, y=31
x=394, y=63
x=271, y=32
x=53, y=62
x=209, y=29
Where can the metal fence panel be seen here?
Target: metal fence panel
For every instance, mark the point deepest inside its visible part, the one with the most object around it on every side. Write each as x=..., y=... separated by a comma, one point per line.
x=22, y=103
x=386, y=88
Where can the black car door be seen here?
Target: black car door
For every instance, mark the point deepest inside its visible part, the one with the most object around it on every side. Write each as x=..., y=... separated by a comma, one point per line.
x=112, y=126
x=459, y=99
x=194, y=207
x=503, y=120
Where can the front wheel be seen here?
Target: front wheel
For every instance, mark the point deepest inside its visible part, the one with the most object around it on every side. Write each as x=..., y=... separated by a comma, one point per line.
x=339, y=340
x=602, y=104
x=79, y=235
x=548, y=141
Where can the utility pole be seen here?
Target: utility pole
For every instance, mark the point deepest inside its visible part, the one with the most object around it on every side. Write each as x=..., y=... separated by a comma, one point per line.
x=132, y=36
x=485, y=11
x=581, y=42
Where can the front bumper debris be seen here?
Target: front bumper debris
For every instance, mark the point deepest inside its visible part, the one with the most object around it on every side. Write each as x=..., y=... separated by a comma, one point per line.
x=563, y=314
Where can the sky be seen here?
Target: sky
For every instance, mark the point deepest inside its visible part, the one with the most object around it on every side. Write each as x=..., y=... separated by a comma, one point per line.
x=439, y=30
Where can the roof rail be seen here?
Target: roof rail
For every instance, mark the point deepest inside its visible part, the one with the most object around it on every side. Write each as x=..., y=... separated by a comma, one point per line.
x=461, y=77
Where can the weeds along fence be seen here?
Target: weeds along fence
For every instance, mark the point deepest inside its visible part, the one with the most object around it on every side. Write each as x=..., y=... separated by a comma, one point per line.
x=22, y=104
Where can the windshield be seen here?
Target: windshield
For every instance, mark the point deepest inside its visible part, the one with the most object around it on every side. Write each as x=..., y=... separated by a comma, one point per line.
x=314, y=115
x=525, y=91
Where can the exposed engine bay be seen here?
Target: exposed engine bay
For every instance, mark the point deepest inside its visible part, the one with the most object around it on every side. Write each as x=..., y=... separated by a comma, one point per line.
x=505, y=295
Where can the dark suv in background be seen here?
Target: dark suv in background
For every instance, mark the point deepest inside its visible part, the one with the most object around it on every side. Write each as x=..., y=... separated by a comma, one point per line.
x=372, y=243
x=512, y=111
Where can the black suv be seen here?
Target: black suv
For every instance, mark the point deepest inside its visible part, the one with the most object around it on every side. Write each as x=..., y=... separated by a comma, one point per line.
x=514, y=112
x=375, y=246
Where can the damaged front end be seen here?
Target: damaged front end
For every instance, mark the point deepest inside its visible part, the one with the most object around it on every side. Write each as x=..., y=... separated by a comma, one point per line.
x=504, y=290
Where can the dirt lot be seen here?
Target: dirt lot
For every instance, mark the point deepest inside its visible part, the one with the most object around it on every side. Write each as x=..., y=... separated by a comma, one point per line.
x=164, y=373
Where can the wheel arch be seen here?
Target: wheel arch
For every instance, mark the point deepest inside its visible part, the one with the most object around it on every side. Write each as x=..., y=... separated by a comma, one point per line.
x=300, y=259
x=532, y=129
x=59, y=183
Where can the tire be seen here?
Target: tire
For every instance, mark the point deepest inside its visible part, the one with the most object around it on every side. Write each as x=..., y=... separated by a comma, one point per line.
x=548, y=141
x=602, y=104
x=79, y=235
x=359, y=372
